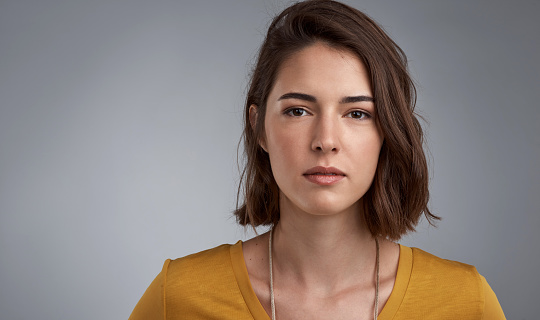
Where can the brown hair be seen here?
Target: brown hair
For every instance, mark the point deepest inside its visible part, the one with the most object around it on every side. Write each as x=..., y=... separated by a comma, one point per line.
x=399, y=192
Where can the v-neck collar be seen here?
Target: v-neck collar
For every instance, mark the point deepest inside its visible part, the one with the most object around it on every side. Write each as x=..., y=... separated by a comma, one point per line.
x=257, y=311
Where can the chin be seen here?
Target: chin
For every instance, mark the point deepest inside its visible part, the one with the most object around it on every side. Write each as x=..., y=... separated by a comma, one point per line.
x=326, y=206
x=330, y=211
x=323, y=203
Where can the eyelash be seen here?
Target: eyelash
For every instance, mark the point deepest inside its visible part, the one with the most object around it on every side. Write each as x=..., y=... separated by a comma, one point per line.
x=289, y=112
x=364, y=115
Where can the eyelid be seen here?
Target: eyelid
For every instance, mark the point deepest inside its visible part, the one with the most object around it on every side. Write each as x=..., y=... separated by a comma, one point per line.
x=367, y=115
x=287, y=111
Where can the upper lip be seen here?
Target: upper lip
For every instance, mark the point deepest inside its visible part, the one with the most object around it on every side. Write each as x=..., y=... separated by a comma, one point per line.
x=324, y=170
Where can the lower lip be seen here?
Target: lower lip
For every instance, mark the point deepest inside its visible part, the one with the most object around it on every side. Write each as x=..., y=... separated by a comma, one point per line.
x=324, y=180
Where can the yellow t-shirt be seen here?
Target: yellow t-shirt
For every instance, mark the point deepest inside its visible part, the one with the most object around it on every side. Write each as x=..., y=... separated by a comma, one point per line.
x=214, y=284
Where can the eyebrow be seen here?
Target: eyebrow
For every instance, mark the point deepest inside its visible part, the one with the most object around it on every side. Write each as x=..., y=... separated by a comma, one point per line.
x=310, y=98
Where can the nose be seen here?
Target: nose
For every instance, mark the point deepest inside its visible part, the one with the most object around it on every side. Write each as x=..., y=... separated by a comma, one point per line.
x=326, y=135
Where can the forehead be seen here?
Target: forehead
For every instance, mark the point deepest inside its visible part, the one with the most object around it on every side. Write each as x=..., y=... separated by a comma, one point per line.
x=323, y=71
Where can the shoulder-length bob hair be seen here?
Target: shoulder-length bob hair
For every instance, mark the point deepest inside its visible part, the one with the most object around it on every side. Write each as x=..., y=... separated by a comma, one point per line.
x=399, y=192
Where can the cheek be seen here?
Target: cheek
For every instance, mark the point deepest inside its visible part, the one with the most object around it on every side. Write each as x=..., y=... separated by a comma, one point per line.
x=284, y=149
x=373, y=145
x=373, y=149
x=281, y=138
x=283, y=142
x=366, y=150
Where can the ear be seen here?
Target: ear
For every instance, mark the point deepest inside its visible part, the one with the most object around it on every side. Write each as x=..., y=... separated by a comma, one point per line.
x=253, y=114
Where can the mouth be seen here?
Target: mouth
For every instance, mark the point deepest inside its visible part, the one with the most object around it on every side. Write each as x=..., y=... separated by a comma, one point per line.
x=324, y=171
x=324, y=176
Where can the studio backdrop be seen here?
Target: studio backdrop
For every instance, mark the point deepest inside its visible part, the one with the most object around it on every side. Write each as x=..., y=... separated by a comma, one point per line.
x=120, y=122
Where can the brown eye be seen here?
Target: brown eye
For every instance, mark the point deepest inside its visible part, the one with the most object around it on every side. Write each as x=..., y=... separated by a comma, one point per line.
x=296, y=112
x=357, y=114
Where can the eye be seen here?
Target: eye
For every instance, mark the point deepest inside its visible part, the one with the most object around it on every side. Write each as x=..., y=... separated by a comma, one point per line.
x=357, y=114
x=296, y=112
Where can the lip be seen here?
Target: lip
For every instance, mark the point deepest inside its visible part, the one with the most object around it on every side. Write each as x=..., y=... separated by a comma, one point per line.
x=324, y=175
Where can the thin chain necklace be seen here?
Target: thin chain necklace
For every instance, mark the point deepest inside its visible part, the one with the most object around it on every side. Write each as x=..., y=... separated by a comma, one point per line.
x=273, y=304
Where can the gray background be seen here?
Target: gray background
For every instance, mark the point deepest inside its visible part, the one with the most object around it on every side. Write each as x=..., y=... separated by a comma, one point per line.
x=119, y=123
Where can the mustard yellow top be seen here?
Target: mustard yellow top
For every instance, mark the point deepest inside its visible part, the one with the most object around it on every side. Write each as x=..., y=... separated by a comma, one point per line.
x=214, y=284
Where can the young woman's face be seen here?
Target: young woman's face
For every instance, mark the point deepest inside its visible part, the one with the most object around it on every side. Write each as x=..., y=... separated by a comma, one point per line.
x=321, y=132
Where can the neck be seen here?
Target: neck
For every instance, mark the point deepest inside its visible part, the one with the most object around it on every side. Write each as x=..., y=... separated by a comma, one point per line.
x=323, y=252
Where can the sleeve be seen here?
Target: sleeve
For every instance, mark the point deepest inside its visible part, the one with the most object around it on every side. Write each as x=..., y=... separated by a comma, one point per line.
x=152, y=304
x=492, y=308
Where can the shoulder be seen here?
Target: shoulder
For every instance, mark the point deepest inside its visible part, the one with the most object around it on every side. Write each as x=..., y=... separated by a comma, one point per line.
x=198, y=286
x=194, y=273
x=453, y=286
x=451, y=279
x=204, y=284
x=427, y=264
x=429, y=287
x=201, y=263
x=441, y=289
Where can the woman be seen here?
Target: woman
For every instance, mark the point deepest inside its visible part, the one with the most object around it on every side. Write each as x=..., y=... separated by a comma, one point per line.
x=335, y=166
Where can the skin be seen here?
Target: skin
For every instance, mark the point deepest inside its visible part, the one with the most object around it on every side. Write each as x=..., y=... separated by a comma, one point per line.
x=324, y=256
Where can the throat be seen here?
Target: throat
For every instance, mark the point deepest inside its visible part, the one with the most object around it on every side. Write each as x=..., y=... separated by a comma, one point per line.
x=323, y=263
x=324, y=289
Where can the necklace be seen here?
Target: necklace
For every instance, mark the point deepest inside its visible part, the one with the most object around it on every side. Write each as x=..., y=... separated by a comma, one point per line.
x=273, y=304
